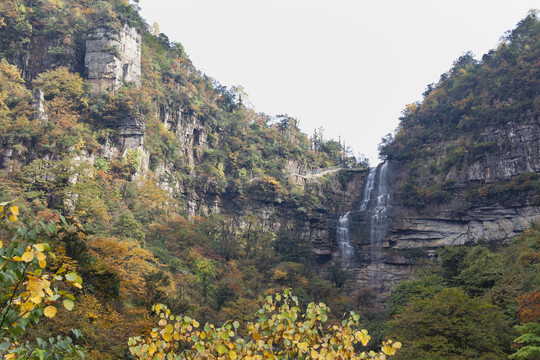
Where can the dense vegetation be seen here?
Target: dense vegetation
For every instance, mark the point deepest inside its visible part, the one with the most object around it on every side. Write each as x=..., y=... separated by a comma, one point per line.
x=131, y=241
x=123, y=225
x=455, y=125
x=500, y=88
x=465, y=307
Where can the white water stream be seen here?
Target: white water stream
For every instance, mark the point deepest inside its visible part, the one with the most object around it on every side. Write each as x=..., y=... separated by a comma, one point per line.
x=346, y=251
x=375, y=200
x=378, y=211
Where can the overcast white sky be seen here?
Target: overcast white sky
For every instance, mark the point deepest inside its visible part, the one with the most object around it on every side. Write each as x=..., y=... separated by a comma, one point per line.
x=349, y=66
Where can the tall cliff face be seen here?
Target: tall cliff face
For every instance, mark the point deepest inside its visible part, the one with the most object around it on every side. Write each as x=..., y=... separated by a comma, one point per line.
x=113, y=58
x=487, y=196
x=463, y=166
x=473, y=211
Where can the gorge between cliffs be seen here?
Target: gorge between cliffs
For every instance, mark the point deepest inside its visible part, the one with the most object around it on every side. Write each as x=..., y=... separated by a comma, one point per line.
x=141, y=185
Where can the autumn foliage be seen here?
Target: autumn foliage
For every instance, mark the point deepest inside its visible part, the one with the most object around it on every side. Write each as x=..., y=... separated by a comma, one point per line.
x=282, y=331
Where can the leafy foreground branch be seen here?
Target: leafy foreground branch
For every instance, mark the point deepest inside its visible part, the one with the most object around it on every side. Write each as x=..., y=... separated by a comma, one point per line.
x=28, y=291
x=280, y=332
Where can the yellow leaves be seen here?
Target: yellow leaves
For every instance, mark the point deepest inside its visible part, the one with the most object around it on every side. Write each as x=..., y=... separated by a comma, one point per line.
x=31, y=291
x=362, y=336
x=41, y=258
x=12, y=211
x=40, y=247
x=303, y=346
x=50, y=311
x=279, y=327
x=37, y=288
x=28, y=255
x=390, y=348
x=167, y=337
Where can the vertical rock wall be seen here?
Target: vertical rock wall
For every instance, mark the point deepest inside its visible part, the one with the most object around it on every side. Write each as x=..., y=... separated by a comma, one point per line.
x=113, y=58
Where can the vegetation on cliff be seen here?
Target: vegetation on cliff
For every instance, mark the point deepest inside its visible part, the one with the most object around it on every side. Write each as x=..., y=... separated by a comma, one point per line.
x=459, y=122
x=138, y=221
x=129, y=234
x=500, y=88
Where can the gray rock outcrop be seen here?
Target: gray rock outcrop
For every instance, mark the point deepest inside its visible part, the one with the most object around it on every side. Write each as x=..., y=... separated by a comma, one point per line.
x=113, y=58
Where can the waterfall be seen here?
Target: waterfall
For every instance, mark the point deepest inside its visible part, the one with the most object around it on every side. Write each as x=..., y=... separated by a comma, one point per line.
x=374, y=202
x=368, y=188
x=346, y=250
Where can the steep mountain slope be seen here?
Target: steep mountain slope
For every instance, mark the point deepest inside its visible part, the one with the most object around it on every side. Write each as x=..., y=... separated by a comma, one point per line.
x=173, y=189
x=463, y=165
x=470, y=152
x=176, y=192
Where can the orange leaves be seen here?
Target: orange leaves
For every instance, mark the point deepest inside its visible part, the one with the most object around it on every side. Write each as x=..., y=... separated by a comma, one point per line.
x=529, y=307
x=127, y=259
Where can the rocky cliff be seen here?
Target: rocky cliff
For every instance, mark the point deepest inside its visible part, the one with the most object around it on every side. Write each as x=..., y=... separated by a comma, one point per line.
x=113, y=58
x=489, y=196
x=463, y=165
x=474, y=211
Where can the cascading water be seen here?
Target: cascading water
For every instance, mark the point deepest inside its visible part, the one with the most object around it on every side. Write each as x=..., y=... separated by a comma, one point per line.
x=368, y=188
x=379, y=213
x=346, y=250
x=374, y=204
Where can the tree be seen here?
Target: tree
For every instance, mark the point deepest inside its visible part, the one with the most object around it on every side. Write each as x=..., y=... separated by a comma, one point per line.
x=482, y=271
x=422, y=287
x=205, y=273
x=281, y=331
x=528, y=344
x=28, y=291
x=449, y=325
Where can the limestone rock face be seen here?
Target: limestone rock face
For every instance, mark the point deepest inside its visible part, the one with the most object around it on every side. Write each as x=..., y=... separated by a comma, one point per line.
x=48, y=53
x=514, y=150
x=517, y=151
x=38, y=103
x=190, y=130
x=113, y=58
x=417, y=233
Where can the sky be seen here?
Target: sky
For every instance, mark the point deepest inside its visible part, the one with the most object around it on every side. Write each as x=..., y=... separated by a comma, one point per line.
x=348, y=66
